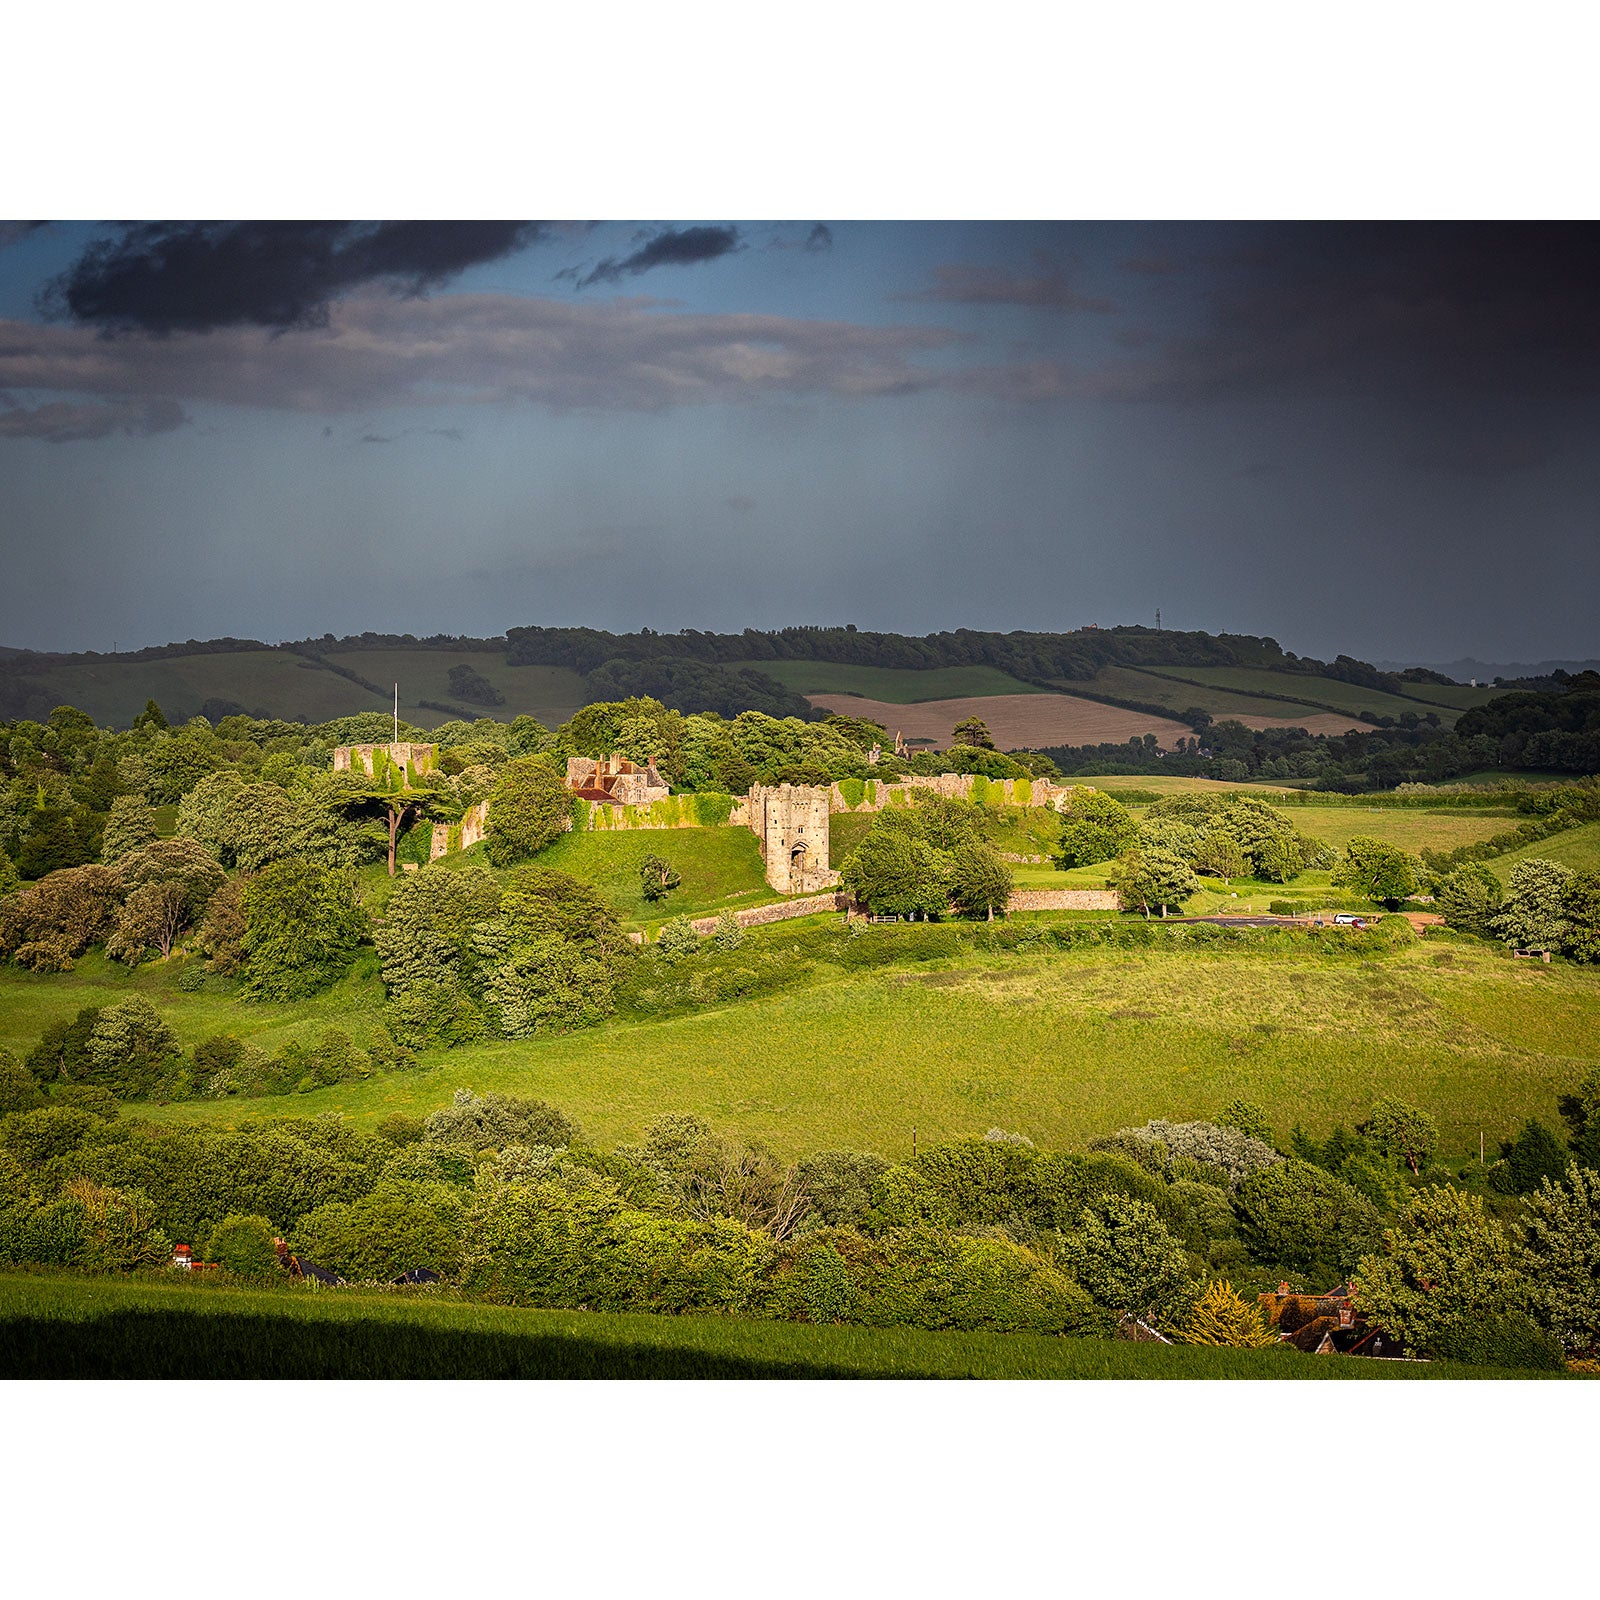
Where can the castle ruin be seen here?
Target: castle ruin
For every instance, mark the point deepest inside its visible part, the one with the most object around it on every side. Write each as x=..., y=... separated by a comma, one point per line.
x=370, y=759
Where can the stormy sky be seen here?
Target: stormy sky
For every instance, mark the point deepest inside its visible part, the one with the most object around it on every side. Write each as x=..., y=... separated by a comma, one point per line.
x=1368, y=438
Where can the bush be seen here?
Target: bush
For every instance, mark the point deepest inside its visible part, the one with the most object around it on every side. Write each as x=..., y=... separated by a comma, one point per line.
x=1121, y=1252
x=19, y=1089
x=487, y=1122
x=302, y=928
x=243, y=1245
x=1220, y=1317
x=677, y=940
x=399, y=1226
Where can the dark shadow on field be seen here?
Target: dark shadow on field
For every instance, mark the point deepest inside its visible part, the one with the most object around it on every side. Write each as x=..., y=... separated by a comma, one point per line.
x=182, y=1344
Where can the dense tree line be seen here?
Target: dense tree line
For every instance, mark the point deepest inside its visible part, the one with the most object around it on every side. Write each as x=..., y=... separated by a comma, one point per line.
x=505, y=1197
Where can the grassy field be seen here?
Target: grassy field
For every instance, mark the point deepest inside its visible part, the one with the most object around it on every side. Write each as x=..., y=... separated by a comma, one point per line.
x=1409, y=829
x=1579, y=849
x=1138, y=683
x=1060, y=1046
x=895, y=685
x=551, y=694
x=54, y=1326
x=1332, y=692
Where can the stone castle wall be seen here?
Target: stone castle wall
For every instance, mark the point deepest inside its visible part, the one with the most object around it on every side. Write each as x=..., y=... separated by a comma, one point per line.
x=462, y=835
x=874, y=795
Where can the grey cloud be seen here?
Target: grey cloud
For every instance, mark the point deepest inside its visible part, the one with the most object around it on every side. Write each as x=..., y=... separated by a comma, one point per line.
x=64, y=422
x=739, y=502
x=819, y=239
x=378, y=351
x=1048, y=288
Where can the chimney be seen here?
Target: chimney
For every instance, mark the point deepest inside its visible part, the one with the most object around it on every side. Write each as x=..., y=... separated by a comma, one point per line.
x=1347, y=1315
x=1283, y=1289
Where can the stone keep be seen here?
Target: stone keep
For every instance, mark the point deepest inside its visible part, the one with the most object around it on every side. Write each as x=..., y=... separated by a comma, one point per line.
x=791, y=823
x=412, y=759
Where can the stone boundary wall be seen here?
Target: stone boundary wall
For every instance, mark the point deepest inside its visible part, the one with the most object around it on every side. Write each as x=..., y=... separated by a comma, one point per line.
x=781, y=911
x=1064, y=900
x=955, y=786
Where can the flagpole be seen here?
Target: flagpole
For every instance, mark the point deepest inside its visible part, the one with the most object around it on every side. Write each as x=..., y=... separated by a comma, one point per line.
x=397, y=713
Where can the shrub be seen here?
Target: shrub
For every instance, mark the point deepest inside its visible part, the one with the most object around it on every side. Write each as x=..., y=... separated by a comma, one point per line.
x=1248, y=1118
x=243, y=1245
x=1559, y=1239
x=1445, y=1268
x=19, y=1089
x=399, y=1226
x=677, y=940
x=302, y=927
x=1121, y=1252
x=1228, y=1151
x=729, y=935
x=90, y=1226
x=486, y=1122
x=1220, y=1317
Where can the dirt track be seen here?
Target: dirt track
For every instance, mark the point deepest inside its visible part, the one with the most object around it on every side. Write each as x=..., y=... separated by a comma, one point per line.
x=1017, y=721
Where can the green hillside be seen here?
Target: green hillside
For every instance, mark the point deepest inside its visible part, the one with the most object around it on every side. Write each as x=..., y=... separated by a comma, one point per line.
x=1579, y=849
x=551, y=694
x=1152, y=688
x=277, y=683
x=1092, y=1040
x=1331, y=693
x=892, y=684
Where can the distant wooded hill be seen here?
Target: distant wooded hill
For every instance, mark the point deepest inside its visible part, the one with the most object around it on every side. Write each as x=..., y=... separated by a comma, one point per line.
x=550, y=672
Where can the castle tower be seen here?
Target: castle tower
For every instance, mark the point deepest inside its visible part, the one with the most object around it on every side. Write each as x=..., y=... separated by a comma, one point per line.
x=791, y=823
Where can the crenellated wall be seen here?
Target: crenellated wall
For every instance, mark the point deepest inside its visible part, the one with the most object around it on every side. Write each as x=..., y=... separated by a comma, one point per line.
x=370, y=759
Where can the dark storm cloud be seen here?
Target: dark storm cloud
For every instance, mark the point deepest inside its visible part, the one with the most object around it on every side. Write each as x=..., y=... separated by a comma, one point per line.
x=1047, y=287
x=675, y=247
x=1413, y=312
x=820, y=238
x=169, y=277
x=63, y=422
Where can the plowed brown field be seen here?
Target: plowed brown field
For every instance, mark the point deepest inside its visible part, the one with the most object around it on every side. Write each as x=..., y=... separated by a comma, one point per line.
x=1017, y=721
